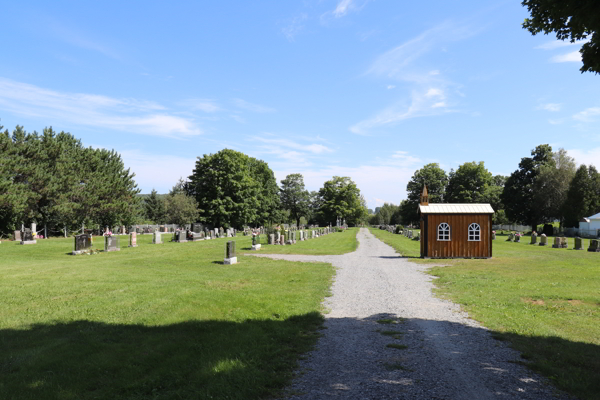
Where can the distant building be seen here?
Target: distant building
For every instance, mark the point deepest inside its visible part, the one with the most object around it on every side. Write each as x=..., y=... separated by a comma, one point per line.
x=455, y=230
x=590, y=226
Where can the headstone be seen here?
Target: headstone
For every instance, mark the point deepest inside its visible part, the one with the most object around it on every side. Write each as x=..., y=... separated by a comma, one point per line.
x=27, y=237
x=277, y=237
x=533, y=238
x=560, y=243
x=230, y=257
x=288, y=237
x=133, y=239
x=82, y=243
x=543, y=240
x=111, y=243
x=216, y=233
x=180, y=236
x=17, y=236
x=511, y=236
x=594, y=245
x=221, y=232
x=517, y=238
x=157, y=238
x=256, y=242
x=272, y=238
x=578, y=243
x=282, y=239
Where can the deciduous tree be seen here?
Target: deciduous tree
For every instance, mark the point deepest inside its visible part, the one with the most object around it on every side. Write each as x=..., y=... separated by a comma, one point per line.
x=294, y=197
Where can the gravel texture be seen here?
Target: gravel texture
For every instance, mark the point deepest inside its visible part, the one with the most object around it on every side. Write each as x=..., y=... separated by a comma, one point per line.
x=447, y=354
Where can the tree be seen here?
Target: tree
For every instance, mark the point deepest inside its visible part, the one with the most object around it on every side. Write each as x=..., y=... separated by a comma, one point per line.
x=573, y=20
x=294, y=196
x=468, y=184
x=181, y=209
x=518, y=194
x=155, y=208
x=436, y=180
x=233, y=189
x=340, y=197
x=583, y=196
x=552, y=185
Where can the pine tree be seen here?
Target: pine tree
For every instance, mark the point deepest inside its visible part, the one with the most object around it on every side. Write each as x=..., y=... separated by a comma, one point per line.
x=155, y=208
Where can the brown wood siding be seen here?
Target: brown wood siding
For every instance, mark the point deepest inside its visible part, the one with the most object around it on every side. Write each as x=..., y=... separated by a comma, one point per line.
x=459, y=245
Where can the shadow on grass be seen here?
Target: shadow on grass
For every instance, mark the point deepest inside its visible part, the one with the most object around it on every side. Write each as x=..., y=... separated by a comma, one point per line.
x=195, y=359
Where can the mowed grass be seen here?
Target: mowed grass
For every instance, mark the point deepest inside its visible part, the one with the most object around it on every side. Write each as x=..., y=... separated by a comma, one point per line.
x=165, y=321
x=332, y=243
x=545, y=301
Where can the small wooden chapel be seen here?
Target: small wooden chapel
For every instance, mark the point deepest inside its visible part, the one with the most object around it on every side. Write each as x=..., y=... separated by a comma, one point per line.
x=455, y=230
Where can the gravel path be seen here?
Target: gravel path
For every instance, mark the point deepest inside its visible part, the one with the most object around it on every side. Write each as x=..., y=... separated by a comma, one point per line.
x=447, y=355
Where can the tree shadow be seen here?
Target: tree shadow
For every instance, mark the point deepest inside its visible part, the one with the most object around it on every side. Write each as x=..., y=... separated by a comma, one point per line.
x=193, y=359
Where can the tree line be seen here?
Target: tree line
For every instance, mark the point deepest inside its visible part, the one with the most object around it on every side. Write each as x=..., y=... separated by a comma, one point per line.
x=231, y=189
x=545, y=187
x=52, y=179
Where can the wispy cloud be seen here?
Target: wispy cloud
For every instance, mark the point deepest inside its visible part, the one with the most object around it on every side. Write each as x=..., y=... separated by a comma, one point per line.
x=289, y=149
x=586, y=156
x=574, y=56
x=588, y=115
x=80, y=39
x=553, y=107
x=556, y=44
x=130, y=115
x=423, y=103
x=206, y=105
x=245, y=105
x=431, y=94
x=343, y=8
x=294, y=26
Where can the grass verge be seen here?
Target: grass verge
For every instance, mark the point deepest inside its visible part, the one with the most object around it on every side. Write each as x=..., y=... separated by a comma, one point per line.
x=156, y=321
x=545, y=301
x=331, y=244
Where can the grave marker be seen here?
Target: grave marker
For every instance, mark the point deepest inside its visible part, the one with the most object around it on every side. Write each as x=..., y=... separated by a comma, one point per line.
x=27, y=237
x=111, y=243
x=256, y=242
x=533, y=238
x=230, y=257
x=578, y=243
x=133, y=239
x=594, y=245
x=82, y=243
x=157, y=238
x=543, y=240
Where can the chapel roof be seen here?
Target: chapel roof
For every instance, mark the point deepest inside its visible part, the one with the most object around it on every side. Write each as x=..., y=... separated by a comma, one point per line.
x=441, y=208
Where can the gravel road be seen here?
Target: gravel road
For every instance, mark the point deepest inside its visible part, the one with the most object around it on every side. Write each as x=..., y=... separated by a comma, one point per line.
x=447, y=354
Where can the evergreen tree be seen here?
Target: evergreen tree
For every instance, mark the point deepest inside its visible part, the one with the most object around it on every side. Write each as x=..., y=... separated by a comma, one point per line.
x=154, y=207
x=583, y=196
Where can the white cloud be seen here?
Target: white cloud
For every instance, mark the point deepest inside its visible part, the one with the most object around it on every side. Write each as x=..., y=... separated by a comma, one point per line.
x=243, y=104
x=285, y=146
x=294, y=27
x=574, y=56
x=391, y=86
x=553, y=107
x=431, y=102
x=206, y=105
x=129, y=115
x=342, y=8
x=587, y=156
x=587, y=115
x=555, y=44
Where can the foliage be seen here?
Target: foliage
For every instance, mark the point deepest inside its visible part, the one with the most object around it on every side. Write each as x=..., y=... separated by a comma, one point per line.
x=570, y=20
x=53, y=180
x=436, y=180
x=518, y=193
x=468, y=184
x=155, y=208
x=385, y=215
x=340, y=197
x=233, y=189
x=583, y=196
x=181, y=209
x=552, y=185
x=168, y=325
x=294, y=197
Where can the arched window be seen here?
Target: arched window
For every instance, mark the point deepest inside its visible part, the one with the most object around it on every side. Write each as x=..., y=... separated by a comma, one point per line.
x=474, y=232
x=444, y=232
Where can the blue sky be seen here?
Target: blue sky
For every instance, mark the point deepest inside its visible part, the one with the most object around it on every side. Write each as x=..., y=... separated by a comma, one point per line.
x=367, y=89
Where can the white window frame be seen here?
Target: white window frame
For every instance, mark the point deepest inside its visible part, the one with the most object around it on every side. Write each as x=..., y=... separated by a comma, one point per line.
x=442, y=229
x=474, y=232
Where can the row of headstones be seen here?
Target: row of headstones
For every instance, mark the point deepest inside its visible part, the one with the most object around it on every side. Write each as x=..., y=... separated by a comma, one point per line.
x=26, y=236
x=411, y=234
x=559, y=242
x=191, y=236
x=84, y=242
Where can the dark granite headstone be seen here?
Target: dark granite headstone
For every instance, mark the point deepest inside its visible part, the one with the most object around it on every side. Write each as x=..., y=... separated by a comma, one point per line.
x=83, y=242
x=578, y=243
x=594, y=245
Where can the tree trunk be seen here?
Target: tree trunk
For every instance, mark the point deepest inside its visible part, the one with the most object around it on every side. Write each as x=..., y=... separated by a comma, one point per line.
x=298, y=222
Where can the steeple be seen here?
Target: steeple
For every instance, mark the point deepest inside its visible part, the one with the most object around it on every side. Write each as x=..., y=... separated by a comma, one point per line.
x=424, y=197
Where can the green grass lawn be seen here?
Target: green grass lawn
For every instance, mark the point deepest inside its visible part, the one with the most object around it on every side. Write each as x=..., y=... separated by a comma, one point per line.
x=165, y=321
x=545, y=301
x=333, y=243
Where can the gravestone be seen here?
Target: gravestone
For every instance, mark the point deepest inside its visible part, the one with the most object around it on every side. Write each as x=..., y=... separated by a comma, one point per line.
x=27, y=237
x=256, y=242
x=17, y=236
x=133, y=239
x=111, y=243
x=493, y=235
x=282, y=239
x=578, y=243
x=82, y=243
x=277, y=237
x=221, y=232
x=533, y=238
x=294, y=237
x=543, y=240
x=272, y=239
x=230, y=257
x=517, y=238
x=594, y=245
x=157, y=238
x=560, y=243
x=181, y=236
x=216, y=235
